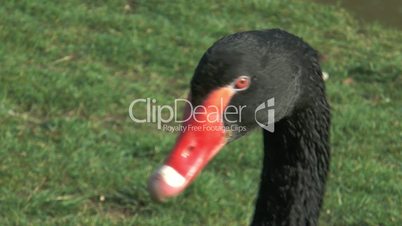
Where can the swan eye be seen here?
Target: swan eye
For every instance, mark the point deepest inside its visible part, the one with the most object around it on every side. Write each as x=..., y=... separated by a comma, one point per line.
x=242, y=83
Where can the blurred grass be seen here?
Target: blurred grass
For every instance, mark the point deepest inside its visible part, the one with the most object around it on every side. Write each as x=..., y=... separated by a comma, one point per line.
x=69, y=154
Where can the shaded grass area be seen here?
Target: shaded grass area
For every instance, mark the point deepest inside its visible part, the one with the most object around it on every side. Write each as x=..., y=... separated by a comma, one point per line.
x=71, y=156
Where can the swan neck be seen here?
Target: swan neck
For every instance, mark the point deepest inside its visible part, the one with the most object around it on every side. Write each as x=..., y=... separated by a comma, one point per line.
x=296, y=162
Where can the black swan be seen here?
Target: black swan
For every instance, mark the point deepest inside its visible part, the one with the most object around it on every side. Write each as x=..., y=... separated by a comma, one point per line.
x=232, y=86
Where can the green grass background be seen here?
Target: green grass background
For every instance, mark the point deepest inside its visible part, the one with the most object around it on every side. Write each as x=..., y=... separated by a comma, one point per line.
x=70, y=69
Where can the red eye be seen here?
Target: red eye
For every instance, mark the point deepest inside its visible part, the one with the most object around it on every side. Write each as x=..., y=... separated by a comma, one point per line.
x=242, y=83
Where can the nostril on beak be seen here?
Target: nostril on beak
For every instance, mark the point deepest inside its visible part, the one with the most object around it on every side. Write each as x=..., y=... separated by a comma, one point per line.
x=188, y=151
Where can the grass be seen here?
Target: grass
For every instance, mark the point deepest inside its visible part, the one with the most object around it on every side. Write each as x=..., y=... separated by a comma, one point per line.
x=69, y=154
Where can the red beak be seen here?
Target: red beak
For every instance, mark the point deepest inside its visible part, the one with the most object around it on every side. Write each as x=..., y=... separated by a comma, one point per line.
x=202, y=138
